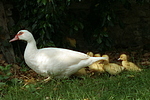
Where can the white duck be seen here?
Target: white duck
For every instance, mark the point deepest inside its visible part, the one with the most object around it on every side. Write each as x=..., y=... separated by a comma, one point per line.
x=55, y=62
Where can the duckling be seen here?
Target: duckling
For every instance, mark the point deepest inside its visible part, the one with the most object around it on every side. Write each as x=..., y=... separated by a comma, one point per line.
x=130, y=66
x=97, y=67
x=97, y=55
x=90, y=54
x=81, y=72
x=112, y=68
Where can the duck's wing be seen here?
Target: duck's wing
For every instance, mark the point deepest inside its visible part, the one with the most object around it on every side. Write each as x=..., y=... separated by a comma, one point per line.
x=63, y=57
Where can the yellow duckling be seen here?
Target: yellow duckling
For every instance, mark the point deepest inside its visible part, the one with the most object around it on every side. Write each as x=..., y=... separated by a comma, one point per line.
x=90, y=54
x=97, y=55
x=128, y=65
x=81, y=72
x=97, y=67
x=112, y=68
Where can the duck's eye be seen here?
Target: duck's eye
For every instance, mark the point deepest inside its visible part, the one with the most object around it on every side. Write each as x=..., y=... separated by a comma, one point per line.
x=20, y=33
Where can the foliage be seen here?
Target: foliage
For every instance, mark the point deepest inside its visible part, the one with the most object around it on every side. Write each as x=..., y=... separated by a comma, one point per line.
x=102, y=16
x=5, y=72
x=48, y=21
x=5, y=78
x=51, y=21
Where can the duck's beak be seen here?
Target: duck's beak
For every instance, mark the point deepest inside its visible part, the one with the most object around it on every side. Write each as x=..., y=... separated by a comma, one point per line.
x=14, y=39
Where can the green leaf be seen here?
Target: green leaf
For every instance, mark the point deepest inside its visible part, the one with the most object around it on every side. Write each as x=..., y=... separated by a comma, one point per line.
x=34, y=26
x=1, y=67
x=99, y=40
x=107, y=43
x=8, y=74
x=6, y=77
x=2, y=84
x=76, y=28
x=108, y=18
x=95, y=35
x=38, y=1
x=81, y=25
x=14, y=80
x=44, y=2
x=105, y=35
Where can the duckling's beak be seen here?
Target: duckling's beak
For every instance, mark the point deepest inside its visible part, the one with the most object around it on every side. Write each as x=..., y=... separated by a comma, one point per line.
x=119, y=58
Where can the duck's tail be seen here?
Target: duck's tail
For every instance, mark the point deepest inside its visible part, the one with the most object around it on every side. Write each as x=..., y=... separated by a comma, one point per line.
x=94, y=59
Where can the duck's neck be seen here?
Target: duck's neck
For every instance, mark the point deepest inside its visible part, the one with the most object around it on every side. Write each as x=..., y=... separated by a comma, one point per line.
x=31, y=47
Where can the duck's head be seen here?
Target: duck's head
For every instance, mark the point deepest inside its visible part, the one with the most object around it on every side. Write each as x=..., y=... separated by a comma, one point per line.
x=123, y=57
x=22, y=35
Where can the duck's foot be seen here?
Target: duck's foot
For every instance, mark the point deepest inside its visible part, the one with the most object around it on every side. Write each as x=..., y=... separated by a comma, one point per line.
x=47, y=79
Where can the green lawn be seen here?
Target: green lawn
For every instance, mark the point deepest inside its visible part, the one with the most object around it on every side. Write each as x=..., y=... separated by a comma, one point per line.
x=126, y=86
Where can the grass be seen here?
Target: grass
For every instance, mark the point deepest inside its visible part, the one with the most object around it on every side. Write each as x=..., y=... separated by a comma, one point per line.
x=126, y=86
